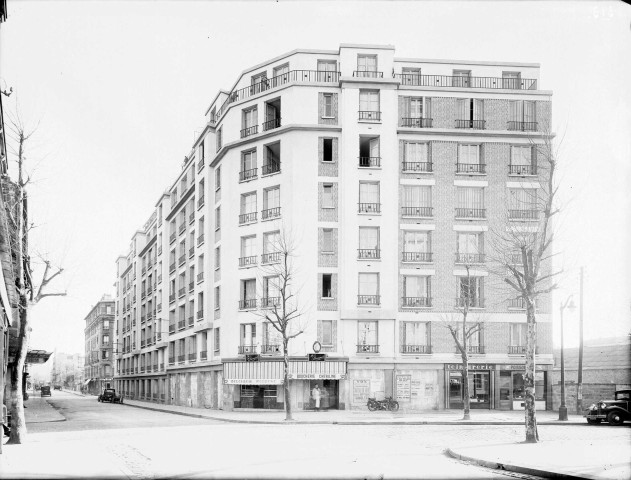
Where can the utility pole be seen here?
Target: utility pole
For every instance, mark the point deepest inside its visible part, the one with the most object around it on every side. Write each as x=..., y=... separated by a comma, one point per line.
x=579, y=392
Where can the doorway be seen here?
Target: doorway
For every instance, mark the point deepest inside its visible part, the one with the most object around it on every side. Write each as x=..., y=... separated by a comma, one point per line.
x=479, y=390
x=329, y=399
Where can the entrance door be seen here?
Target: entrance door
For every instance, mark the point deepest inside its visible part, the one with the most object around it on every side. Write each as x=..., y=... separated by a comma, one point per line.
x=455, y=390
x=329, y=393
x=479, y=390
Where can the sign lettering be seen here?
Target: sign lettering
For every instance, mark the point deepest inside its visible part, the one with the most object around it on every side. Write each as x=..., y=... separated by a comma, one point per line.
x=404, y=387
x=361, y=390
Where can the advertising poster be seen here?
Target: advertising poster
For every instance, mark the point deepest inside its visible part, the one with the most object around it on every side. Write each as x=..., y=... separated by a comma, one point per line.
x=404, y=384
x=361, y=390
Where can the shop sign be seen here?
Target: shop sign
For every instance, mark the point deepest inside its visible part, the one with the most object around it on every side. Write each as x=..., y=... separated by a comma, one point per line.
x=361, y=390
x=521, y=367
x=253, y=381
x=404, y=387
x=316, y=376
x=472, y=366
x=317, y=357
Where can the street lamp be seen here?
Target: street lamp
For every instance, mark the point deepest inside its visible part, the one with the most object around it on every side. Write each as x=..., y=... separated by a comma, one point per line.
x=569, y=304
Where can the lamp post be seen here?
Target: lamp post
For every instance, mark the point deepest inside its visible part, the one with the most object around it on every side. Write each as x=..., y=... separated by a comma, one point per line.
x=569, y=304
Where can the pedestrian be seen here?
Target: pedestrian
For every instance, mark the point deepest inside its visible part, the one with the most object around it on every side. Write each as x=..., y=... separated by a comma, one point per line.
x=315, y=393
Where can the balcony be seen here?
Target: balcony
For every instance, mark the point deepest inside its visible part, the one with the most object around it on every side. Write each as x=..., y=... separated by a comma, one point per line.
x=181, y=292
x=523, y=214
x=181, y=324
x=519, y=349
x=367, y=348
x=479, y=168
x=200, y=276
x=149, y=290
x=470, y=213
x=474, y=349
x=172, y=237
x=517, y=303
x=271, y=167
x=143, y=294
x=368, y=299
x=160, y=250
x=246, y=132
x=368, y=162
x=143, y=271
x=245, y=175
x=171, y=297
x=162, y=365
x=269, y=302
x=200, y=239
x=171, y=327
x=273, y=257
x=270, y=349
x=200, y=165
x=191, y=217
x=416, y=122
x=191, y=321
x=426, y=167
x=181, y=358
x=172, y=268
x=245, y=349
x=142, y=369
x=423, y=349
x=171, y=360
x=369, y=115
x=270, y=213
x=247, y=304
x=417, y=212
x=416, y=302
x=468, y=82
x=367, y=74
x=470, y=258
x=192, y=357
x=203, y=355
x=200, y=314
x=181, y=260
x=247, y=218
x=191, y=286
x=515, y=126
x=159, y=280
x=200, y=202
x=191, y=252
x=182, y=228
x=522, y=170
x=369, y=207
x=473, y=124
x=474, y=302
x=368, y=253
x=417, y=257
x=271, y=124
x=143, y=318
x=149, y=316
x=247, y=261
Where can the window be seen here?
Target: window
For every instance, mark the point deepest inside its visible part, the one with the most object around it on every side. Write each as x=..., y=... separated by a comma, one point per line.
x=217, y=258
x=415, y=333
x=369, y=197
x=522, y=204
x=271, y=291
x=271, y=242
x=327, y=196
x=328, y=105
x=325, y=336
x=327, y=285
x=417, y=201
x=511, y=80
x=470, y=113
x=217, y=338
x=416, y=291
x=200, y=151
x=248, y=203
x=469, y=248
x=369, y=243
x=219, y=135
x=469, y=159
x=106, y=339
x=367, y=337
x=327, y=150
x=218, y=178
x=471, y=292
x=417, y=246
x=218, y=218
x=470, y=202
x=416, y=157
x=416, y=112
x=368, y=289
x=271, y=158
x=271, y=202
x=327, y=70
x=366, y=65
x=281, y=70
x=327, y=240
x=369, y=105
x=523, y=115
x=106, y=323
x=259, y=82
x=248, y=293
x=217, y=297
x=462, y=78
x=369, y=152
x=411, y=76
x=248, y=161
x=248, y=335
x=248, y=253
x=521, y=160
x=518, y=334
x=249, y=117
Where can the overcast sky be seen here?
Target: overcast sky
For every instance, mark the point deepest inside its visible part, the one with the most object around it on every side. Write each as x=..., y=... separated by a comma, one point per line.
x=119, y=88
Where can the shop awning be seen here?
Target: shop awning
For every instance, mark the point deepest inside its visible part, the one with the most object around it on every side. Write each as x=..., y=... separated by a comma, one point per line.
x=270, y=372
x=37, y=356
x=305, y=370
x=87, y=381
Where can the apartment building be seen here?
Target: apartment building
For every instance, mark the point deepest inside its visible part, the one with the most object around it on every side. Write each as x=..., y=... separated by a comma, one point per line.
x=99, y=342
x=389, y=174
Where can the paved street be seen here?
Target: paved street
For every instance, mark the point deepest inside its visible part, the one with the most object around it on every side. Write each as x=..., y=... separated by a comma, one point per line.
x=120, y=440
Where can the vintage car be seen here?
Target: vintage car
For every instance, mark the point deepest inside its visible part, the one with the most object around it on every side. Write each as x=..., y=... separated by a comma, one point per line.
x=110, y=395
x=57, y=387
x=45, y=391
x=613, y=411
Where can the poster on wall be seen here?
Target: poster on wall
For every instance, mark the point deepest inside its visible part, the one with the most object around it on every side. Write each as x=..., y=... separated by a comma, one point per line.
x=404, y=385
x=361, y=389
x=416, y=388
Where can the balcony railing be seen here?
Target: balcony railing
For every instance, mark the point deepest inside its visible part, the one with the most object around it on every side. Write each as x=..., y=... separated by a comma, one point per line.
x=470, y=213
x=200, y=239
x=368, y=253
x=417, y=167
x=181, y=292
x=272, y=257
x=172, y=298
x=372, y=115
x=469, y=82
x=191, y=217
x=181, y=358
x=519, y=349
x=474, y=124
x=271, y=349
x=367, y=348
x=270, y=167
x=417, y=212
x=268, y=302
x=517, y=303
x=172, y=267
x=191, y=286
x=416, y=122
x=181, y=324
x=182, y=228
x=171, y=360
x=143, y=318
x=473, y=302
x=271, y=124
x=369, y=207
x=522, y=126
x=367, y=74
x=369, y=161
x=523, y=214
x=270, y=213
x=247, y=261
x=191, y=320
x=246, y=132
x=475, y=349
x=522, y=170
x=191, y=252
x=248, y=303
x=416, y=302
x=368, y=299
x=247, y=218
x=469, y=258
x=181, y=260
x=417, y=257
x=243, y=349
x=200, y=314
x=203, y=355
x=200, y=202
x=416, y=349
x=200, y=276
x=192, y=357
x=470, y=168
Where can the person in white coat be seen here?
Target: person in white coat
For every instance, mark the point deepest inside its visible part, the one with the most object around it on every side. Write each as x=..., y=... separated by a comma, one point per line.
x=316, y=394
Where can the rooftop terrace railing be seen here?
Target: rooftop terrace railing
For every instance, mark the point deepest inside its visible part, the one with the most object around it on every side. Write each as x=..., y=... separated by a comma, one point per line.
x=467, y=82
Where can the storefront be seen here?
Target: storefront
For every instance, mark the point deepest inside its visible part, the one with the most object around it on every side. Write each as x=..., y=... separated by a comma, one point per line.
x=480, y=385
x=511, y=387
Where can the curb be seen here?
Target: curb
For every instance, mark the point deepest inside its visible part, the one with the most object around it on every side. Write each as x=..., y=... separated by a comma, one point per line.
x=73, y=392
x=512, y=468
x=343, y=422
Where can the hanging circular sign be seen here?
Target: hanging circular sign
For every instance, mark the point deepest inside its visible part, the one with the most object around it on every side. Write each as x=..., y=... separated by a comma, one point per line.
x=317, y=347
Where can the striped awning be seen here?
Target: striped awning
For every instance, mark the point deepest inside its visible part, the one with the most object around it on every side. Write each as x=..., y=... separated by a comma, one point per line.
x=271, y=372
x=305, y=370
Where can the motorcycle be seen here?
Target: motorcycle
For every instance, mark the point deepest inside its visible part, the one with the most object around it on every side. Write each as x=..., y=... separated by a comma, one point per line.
x=386, y=404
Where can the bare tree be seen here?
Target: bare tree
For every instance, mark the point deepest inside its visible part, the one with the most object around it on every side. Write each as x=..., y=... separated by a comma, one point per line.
x=27, y=294
x=279, y=305
x=522, y=251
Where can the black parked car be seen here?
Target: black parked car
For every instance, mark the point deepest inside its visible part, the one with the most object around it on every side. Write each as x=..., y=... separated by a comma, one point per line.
x=613, y=411
x=110, y=395
x=45, y=391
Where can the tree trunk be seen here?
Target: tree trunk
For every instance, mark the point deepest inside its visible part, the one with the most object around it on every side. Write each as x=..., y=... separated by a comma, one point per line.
x=18, y=422
x=288, y=416
x=532, y=435
x=466, y=414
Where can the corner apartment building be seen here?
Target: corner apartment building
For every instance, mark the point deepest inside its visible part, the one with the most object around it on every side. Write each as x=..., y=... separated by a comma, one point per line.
x=389, y=173
x=99, y=332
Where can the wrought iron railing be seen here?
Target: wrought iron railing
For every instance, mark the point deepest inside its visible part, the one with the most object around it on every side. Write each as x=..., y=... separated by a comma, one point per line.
x=517, y=303
x=243, y=349
x=247, y=261
x=517, y=126
x=473, y=302
x=369, y=161
x=416, y=302
x=421, y=257
x=271, y=257
x=522, y=170
x=247, y=217
x=247, y=303
x=367, y=74
x=270, y=213
x=368, y=253
x=268, y=302
x=469, y=258
x=470, y=212
x=369, y=207
x=417, y=211
x=367, y=348
x=479, y=349
x=470, y=168
x=271, y=349
x=417, y=166
x=246, y=175
x=270, y=167
x=417, y=122
x=473, y=124
x=523, y=214
x=416, y=349
x=246, y=132
x=271, y=124
x=368, y=299
x=470, y=82
x=369, y=115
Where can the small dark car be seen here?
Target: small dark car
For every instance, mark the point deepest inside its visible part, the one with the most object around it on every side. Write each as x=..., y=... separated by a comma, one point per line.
x=45, y=391
x=57, y=387
x=613, y=411
x=110, y=395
